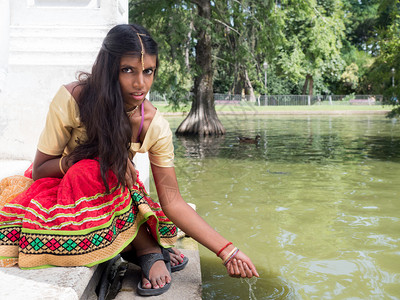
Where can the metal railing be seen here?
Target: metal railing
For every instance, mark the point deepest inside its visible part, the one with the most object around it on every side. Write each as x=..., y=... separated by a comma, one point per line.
x=288, y=100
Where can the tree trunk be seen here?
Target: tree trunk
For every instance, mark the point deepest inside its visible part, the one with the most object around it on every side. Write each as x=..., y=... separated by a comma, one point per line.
x=187, y=48
x=308, y=84
x=202, y=118
x=238, y=89
x=250, y=89
x=305, y=85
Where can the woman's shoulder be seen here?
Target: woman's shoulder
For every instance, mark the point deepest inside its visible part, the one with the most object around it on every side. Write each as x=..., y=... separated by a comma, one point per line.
x=75, y=89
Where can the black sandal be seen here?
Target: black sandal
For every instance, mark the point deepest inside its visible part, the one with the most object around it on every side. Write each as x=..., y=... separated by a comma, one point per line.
x=132, y=258
x=146, y=262
x=181, y=265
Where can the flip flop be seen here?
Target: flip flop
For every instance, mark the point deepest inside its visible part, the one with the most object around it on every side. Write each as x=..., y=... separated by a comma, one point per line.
x=180, y=266
x=131, y=257
x=146, y=262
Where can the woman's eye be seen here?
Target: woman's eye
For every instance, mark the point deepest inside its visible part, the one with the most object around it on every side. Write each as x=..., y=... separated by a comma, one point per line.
x=126, y=70
x=148, y=71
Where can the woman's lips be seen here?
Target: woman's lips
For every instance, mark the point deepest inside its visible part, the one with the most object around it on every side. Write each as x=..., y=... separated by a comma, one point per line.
x=137, y=96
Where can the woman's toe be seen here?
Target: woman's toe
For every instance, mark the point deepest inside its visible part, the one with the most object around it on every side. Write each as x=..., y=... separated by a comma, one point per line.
x=146, y=284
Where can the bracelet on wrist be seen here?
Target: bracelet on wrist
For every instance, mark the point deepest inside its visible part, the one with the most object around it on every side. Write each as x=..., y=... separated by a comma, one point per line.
x=230, y=256
x=60, y=165
x=222, y=249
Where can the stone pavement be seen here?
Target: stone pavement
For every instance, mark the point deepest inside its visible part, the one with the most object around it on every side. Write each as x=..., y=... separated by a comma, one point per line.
x=75, y=283
x=186, y=284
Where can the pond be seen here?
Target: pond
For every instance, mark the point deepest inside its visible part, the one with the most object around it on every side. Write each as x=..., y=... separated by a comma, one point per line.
x=315, y=204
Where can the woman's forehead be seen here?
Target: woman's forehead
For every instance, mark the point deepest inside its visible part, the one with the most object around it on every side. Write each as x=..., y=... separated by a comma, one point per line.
x=133, y=60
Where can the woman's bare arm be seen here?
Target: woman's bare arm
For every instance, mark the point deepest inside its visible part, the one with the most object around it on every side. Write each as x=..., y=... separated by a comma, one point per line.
x=45, y=165
x=183, y=216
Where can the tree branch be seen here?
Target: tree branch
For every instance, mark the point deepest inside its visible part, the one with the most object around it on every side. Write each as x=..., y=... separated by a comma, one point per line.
x=223, y=23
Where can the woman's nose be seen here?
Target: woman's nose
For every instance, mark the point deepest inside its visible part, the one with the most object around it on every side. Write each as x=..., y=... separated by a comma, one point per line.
x=138, y=81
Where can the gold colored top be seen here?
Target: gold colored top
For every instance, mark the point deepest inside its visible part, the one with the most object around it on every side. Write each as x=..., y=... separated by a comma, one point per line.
x=63, y=131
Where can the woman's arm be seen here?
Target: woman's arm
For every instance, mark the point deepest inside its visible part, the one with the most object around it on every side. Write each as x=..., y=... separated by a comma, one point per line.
x=183, y=216
x=45, y=165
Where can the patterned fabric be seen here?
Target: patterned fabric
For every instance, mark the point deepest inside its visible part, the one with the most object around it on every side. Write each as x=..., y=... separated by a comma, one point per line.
x=12, y=186
x=74, y=222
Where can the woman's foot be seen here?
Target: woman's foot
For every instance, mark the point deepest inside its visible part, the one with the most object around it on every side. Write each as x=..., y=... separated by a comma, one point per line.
x=158, y=274
x=152, y=259
x=176, y=256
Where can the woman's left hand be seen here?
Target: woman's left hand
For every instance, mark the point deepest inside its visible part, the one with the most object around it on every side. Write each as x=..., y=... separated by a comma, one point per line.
x=241, y=266
x=130, y=175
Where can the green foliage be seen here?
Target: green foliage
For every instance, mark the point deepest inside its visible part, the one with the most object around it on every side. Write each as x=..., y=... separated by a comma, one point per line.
x=383, y=75
x=350, y=76
x=347, y=46
x=170, y=23
x=348, y=98
x=313, y=32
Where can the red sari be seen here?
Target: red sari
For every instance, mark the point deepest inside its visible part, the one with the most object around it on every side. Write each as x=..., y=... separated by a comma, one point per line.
x=73, y=221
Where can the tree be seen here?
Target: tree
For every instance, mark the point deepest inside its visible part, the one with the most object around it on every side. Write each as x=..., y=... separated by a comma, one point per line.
x=178, y=23
x=313, y=31
x=170, y=25
x=383, y=75
x=202, y=118
x=250, y=36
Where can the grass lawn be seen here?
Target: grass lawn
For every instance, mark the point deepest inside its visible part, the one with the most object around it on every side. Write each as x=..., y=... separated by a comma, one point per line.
x=251, y=108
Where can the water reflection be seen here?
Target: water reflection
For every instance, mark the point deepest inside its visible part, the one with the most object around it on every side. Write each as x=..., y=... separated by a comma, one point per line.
x=312, y=139
x=199, y=146
x=315, y=204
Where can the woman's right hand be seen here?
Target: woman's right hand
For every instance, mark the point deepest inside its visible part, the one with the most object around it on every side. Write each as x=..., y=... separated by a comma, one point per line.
x=241, y=266
x=130, y=175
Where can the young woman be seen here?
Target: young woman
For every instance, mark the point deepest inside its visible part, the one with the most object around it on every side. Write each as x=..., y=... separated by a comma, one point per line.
x=86, y=203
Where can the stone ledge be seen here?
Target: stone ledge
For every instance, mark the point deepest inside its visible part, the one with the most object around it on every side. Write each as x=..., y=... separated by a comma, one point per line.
x=186, y=284
x=51, y=283
x=79, y=283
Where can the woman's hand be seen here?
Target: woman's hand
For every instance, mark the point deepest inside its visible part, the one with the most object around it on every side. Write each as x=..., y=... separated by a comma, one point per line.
x=241, y=266
x=130, y=175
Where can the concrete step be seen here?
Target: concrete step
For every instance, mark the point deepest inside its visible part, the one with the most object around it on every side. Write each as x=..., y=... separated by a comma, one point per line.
x=51, y=283
x=79, y=283
x=186, y=284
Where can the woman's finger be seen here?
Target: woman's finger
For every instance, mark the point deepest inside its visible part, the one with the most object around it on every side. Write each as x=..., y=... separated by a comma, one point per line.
x=235, y=267
x=230, y=270
x=249, y=274
x=241, y=269
x=132, y=171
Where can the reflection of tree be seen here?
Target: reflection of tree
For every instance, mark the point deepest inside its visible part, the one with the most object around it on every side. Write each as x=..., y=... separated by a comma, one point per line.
x=201, y=146
x=384, y=148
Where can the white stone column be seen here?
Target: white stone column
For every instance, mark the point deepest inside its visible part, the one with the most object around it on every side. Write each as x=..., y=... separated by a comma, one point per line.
x=4, y=41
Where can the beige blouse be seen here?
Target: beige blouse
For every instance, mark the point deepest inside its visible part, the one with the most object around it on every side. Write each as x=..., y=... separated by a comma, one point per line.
x=63, y=131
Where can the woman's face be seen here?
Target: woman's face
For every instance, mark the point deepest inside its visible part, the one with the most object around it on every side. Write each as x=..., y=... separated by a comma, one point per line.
x=134, y=80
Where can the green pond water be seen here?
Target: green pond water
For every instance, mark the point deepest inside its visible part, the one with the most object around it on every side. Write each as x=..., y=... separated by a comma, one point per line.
x=315, y=204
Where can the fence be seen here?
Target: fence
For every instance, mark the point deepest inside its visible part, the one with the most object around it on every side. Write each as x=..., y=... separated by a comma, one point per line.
x=288, y=100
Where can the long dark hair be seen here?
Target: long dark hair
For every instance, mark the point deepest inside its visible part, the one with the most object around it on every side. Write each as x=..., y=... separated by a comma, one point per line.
x=101, y=105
